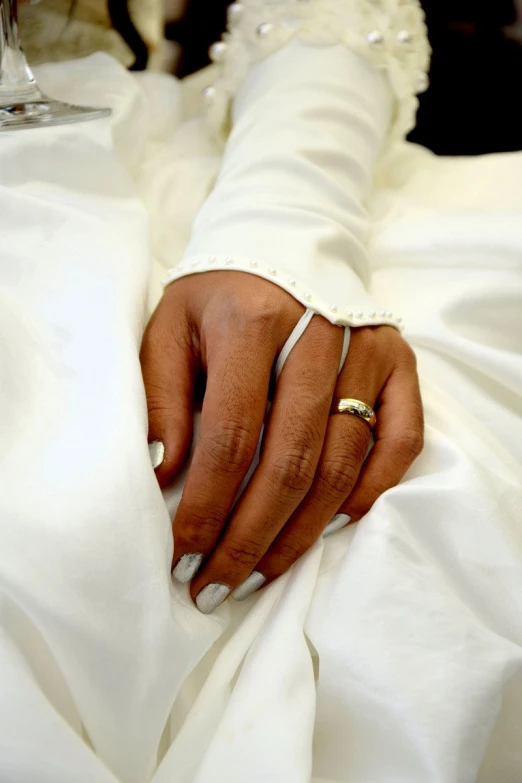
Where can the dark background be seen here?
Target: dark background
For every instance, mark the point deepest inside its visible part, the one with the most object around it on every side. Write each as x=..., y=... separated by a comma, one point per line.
x=474, y=101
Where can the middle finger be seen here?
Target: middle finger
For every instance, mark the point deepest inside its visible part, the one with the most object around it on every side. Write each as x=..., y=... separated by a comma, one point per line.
x=291, y=450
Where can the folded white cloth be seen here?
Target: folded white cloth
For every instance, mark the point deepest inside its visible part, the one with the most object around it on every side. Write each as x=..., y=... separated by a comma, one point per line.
x=393, y=650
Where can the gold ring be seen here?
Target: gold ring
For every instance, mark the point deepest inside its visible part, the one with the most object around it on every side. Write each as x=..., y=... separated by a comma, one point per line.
x=356, y=408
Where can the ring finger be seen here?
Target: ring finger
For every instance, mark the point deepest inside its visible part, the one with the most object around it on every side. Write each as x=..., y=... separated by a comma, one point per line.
x=345, y=448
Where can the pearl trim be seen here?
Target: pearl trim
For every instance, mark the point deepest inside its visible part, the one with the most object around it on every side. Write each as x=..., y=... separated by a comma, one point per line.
x=390, y=34
x=375, y=38
x=349, y=317
x=234, y=13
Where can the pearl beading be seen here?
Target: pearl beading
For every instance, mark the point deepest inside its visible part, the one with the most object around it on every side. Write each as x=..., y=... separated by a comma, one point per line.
x=391, y=34
x=337, y=313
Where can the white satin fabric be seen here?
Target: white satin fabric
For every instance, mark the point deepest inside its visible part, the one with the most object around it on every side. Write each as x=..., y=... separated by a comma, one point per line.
x=288, y=205
x=393, y=650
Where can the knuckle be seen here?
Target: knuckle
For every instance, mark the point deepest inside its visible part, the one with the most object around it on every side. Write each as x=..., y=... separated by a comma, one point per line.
x=338, y=474
x=158, y=397
x=198, y=524
x=230, y=446
x=340, y=467
x=290, y=551
x=367, y=342
x=244, y=555
x=410, y=444
x=263, y=313
x=258, y=311
x=294, y=472
x=408, y=357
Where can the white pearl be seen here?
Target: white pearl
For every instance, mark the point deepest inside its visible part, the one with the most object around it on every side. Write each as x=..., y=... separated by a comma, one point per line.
x=333, y=308
x=253, y=264
x=349, y=313
x=372, y=314
x=218, y=51
x=375, y=38
x=209, y=94
x=359, y=314
x=382, y=313
x=291, y=281
x=212, y=259
x=389, y=314
x=399, y=320
x=307, y=297
x=234, y=13
x=229, y=260
x=194, y=263
x=404, y=37
x=423, y=82
x=264, y=29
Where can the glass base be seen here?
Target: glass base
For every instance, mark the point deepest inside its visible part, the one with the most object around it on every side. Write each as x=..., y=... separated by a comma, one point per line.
x=41, y=113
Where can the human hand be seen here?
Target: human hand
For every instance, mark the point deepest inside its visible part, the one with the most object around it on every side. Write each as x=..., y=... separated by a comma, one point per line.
x=230, y=327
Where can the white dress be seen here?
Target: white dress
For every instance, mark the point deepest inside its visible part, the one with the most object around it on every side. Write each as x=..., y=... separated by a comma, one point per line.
x=393, y=650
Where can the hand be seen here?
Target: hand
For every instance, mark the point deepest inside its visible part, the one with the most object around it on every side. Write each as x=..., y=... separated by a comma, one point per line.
x=230, y=327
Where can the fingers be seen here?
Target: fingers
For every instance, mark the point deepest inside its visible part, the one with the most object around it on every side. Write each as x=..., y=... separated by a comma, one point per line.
x=344, y=450
x=233, y=410
x=169, y=365
x=399, y=439
x=340, y=473
x=291, y=450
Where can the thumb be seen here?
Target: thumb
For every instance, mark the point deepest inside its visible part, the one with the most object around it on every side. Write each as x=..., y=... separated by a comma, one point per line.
x=168, y=365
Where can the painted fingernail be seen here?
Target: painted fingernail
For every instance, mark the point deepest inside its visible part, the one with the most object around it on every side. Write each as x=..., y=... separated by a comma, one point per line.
x=157, y=453
x=339, y=521
x=211, y=597
x=187, y=566
x=249, y=586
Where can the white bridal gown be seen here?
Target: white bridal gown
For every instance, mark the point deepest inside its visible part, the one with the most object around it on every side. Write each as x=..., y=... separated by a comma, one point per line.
x=392, y=652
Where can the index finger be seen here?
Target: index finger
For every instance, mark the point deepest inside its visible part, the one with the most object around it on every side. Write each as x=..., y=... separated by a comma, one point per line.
x=232, y=415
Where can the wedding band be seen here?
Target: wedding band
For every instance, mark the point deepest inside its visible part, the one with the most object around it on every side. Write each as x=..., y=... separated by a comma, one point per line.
x=356, y=408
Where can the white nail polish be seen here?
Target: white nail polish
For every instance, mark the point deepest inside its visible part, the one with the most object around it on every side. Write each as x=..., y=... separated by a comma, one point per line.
x=249, y=586
x=187, y=566
x=157, y=453
x=339, y=521
x=211, y=597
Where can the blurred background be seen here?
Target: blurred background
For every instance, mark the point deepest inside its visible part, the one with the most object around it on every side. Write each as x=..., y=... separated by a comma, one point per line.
x=472, y=105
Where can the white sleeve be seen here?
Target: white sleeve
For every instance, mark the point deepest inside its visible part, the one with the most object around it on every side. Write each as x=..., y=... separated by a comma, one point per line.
x=308, y=123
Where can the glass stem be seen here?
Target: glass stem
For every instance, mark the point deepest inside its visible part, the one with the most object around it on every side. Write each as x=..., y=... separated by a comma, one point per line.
x=17, y=83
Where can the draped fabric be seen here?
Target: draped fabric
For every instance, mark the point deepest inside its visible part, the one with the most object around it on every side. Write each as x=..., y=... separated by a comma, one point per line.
x=392, y=650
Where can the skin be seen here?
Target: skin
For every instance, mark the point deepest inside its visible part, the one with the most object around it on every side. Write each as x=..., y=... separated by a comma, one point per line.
x=229, y=327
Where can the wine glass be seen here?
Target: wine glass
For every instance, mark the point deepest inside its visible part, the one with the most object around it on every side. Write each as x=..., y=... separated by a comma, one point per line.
x=22, y=103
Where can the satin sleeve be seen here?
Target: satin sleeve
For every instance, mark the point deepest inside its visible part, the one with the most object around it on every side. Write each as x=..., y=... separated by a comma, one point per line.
x=304, y=128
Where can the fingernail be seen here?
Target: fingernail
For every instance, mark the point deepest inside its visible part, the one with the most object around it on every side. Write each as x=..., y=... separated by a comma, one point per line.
x=339, y=521
x=249, y=586
x=157, y=453
x=187, y=566
x=211, y=597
